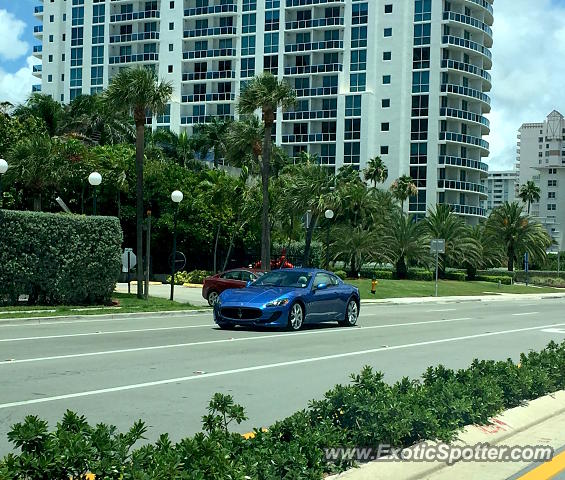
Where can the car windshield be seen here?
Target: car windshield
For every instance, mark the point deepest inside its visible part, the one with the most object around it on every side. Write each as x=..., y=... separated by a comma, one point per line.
x=287, y=278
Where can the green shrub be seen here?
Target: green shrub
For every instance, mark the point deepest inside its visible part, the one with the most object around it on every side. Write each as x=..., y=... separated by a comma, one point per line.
x=384, y=274
x=58, y=258
x=368, y=411
x=423, y=275
x=341, y=274
x=195, y=276
x=503, y=279
x=457, y=276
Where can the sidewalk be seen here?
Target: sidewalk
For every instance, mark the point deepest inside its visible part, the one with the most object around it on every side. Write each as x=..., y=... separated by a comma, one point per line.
x=462, y=298
x=540, y=422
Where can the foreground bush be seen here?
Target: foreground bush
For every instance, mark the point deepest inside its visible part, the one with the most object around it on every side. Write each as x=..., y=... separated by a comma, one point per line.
x=366, y=412
x=58, y=258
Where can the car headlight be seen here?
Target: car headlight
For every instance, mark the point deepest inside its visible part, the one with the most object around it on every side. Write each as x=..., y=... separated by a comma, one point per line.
x=279, y=302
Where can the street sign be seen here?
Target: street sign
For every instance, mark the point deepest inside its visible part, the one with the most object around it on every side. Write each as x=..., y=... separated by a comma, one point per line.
x=127, y=265
x=180, y=261
x=437, y=245
x=307, y=219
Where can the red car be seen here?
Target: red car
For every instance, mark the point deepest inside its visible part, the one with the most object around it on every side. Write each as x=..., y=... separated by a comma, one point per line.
x=236, y=278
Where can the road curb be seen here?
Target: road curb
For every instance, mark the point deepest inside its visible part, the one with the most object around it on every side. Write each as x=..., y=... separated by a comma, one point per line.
x=112, y=316
x=502, y=427
x=459, y=299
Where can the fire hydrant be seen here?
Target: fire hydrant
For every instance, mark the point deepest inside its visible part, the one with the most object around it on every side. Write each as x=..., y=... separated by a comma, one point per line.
x=374, y=284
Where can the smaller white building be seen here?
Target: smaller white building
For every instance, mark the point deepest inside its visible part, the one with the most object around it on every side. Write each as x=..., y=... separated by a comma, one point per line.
x=500, y=187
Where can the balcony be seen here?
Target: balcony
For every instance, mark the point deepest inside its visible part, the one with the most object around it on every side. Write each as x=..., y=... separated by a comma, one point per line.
x=212, y=75
x=309, y=69
x=213, y=9
x=38, y=10
x=468, y=210
x=312, y=46
x=315, y=23
x=309, y=138
x=471, y=22
x=208, y=97
x=38, y=51
x=38, y=30
x=213, y=53
x=466, y=92
x=129, y=17
x=209, y=32
x=467, y=68
x=465, y=139
x=469, y=45
x=36, y=88
x=463, y=163
x=203, y=119
x=462, y=186
x=134, y=37
x=464, y=115
x=485, y=5
x=141, y=57
x=316, y=92
x=305, y=3
x=36, y=70
x=309, y=115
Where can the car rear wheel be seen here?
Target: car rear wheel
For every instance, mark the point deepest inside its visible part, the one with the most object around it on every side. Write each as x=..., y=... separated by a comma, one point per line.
x=351, y=314
x=295, y=317
x=212, y=297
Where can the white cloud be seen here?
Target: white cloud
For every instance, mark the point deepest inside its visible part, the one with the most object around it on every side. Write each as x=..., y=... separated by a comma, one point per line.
x=16, y=87
x=12, y=46
x=528, y=72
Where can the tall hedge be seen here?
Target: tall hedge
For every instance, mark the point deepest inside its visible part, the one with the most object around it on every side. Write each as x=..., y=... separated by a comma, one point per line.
x=58, y=259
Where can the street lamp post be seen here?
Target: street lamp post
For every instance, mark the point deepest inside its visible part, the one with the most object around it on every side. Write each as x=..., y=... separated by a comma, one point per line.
x=329, y=214
x=176, y=197
x=3, y=170
x=94, y=179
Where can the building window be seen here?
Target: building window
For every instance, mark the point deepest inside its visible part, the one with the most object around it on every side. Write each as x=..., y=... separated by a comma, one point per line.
x=422, y=33
x=420, y=82
x=552, y=183
x=352, y=128
x=423, y=10
x=171, y=5
x=385, y=103
x=98, y=13
x=420, y=105
x=272, y=20
x=550, y=194
x=98, y=34
x=249, y=22
x=351, y=153
x=358, y=37
x=353, y=106
x=387, y=56
x=249, y=5
x=50, y=58
x=170, y=69
x=360, y=13
x=271, y=42
x=551, y=206
x=248, y=45
x=386, y=79
x=388, y=8
x=171, y=25
x=385, y=127
x=388, y=32
x=247, y=67
x=358, y=82
x=96, y=75
x=384, y=149
x=358, y=60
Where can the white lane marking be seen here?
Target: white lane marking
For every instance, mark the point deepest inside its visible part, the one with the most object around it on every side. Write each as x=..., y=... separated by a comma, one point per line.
x=95, y=334
x=554, y=330
x=264, y=367
x=442, y=310
x=39, y=323
x=525, y=313
x=213, y=342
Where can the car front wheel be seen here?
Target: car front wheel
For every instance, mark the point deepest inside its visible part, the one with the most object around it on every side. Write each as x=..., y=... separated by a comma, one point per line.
x=212, y=297
x=351, y=314
x=295, y=317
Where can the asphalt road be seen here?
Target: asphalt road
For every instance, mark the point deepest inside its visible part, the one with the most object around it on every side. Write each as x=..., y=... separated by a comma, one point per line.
x=164, y=370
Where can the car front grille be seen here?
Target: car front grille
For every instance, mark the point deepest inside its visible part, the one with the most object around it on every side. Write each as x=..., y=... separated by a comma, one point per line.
x=241, y=313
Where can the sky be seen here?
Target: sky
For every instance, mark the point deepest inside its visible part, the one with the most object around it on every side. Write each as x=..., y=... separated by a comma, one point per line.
x=528, y=72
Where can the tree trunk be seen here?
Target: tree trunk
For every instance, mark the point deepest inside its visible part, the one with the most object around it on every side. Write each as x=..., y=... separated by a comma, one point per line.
x=510, y=260
x=229, y=253
x=37, y=203
x=265, y=171
x=529, y=203
x=215, y=157
x=308, y=242
x=139, y=152
x=401, y=269
x=216, y=247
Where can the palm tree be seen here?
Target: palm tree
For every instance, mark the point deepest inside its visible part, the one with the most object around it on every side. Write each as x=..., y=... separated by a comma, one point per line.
x=355, y=246
x=308, y=187
x=43, y=107
x=136, y=91
x=244, y=140
x=529, y=193
x=405, y=240
x=402, y=188
x=517, y=233
x=460, y=246
x=91, y=117
x=211, y=136
x=376, y=171
x=267, y=93
x=491, y=255
x=33, y=166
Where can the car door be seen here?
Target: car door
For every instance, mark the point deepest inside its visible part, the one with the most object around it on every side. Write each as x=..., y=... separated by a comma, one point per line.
x=322, y=305
x=341, y=296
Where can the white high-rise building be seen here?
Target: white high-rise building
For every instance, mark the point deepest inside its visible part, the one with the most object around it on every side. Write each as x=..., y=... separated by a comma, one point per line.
x=402, y=79
x=541, y=158
x=500, y=187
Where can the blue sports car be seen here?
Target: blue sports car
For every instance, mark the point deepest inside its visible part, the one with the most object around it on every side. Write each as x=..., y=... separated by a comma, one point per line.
x=289, y=298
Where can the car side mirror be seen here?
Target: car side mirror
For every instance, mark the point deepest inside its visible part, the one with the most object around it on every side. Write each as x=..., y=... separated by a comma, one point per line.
x=321, y=286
